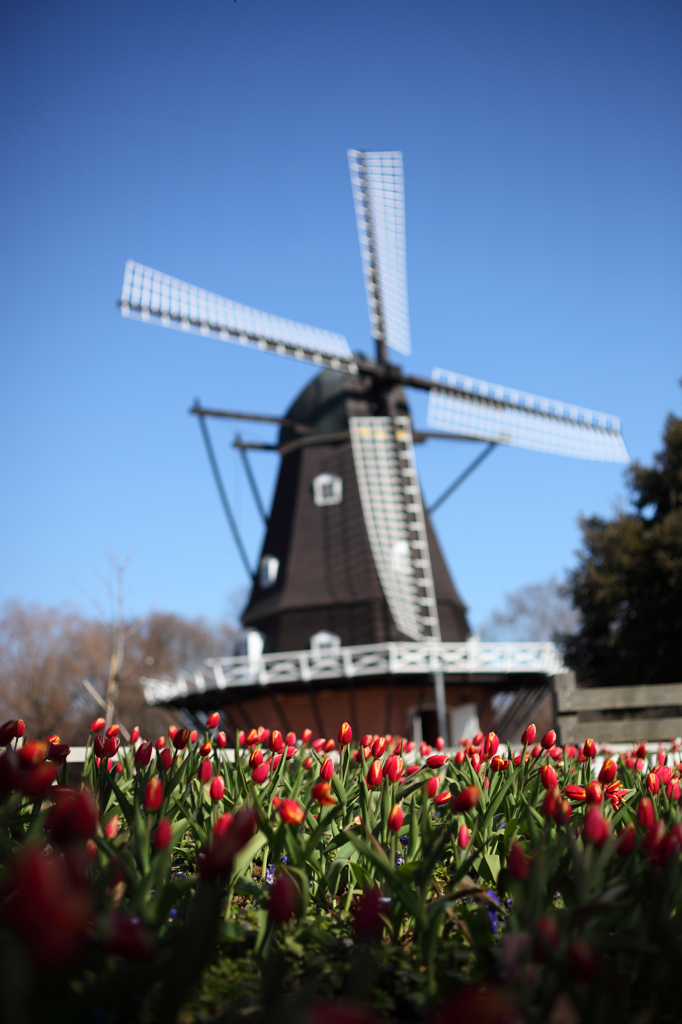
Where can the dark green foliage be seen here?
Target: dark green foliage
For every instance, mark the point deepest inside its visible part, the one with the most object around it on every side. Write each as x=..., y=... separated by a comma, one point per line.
x=628, y=583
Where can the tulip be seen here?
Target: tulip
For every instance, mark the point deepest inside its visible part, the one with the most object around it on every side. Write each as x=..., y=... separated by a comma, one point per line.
x=551, y=801
x=626, y=840
x=327, y=769
x=153, y=794
x=548, y=740
x=161, y=743
x=345, y=734
x=548, y=777
x=442, y=798
x=641, y=750
x=394, y=768
x=379, y=747
x=252, y=737
x=98, y=725
x=318, y=744
x=193, y=736
x=576, y=793
x=476, y=762
x=213, y=720
x=112, y=826
x=291, y=812
x=665, y=774
x=181, y=739
x=645, y=813
x=290, y=739
x=205, y=749
x=374, y=775
x=113, y=743
x=440, y=743
x=459, y=757
x=517, y=862
x=424, y=749
x=205, y=771
x=307, y=735
x=528, y=735
x=608, y=772
x=217, y=789
x=437, y=760
x=492, y=742
x=218, y=860
x=536, y=751
x=291, y=752
x=143, y=755
x=284, y=899
x=172, y=729
x=135, y=734
x=431, y=787
x=275, y=741
x=395, y=818
x=166, y=758
x=367, y=918
x=240, y=738
x=596, y=829
x=499, y=764
x=556, y=753
x=255, y=758
x=308, y=763
x=113, y=730
x=221, y=740
x=466, y=799
x=329, y=746
x=58, y=752
x=594, y=793
x=655, y=837
x=366, y=740
x=463, y=837
x=36, y=781
x=548, y=936
x=222, y=825
x=73, y=816
x=163, y=834
x=653, y=783
x=321, y=794
x=563, y=812
x=260, y=773
x=127, y=938
x=32, y=753
x=478, y=739
x=673, y=790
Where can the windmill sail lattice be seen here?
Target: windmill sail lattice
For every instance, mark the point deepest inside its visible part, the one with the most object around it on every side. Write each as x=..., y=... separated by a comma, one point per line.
x=491, y=412
x=150, y=295
x=383, y=455
x=379, y=194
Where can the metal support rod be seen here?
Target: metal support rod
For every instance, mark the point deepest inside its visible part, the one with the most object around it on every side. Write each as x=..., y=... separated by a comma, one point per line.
x=441, y=707
x=221, y=490
x=462, y=476
x=252, y=482
x=282, y=421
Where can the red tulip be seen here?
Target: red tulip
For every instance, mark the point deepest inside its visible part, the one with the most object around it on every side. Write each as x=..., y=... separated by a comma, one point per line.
x=578, y=793
x=8, y=732
x=181, y=739
x=366, y=740
x=590, y=748
x=608, y=772
x=596, y=829
x=437, y=760
x=283, y=900
x=255, y=758
x=321, y=793
x=440, y=799
x=58, y=752
x=100, y=746
x=395, y=818
x=548, y=777
x=655, y=837
x=653, y=783
x=37, y=780
x=491, y=744
x=113, y=730
x=291, y=752
x=307, y=735
x=172, y=729
x=98, y=725
x=113, y=743
x=327, y=769
x=550, y=803
x=73, y=816
x=466, y=799
x=252, y=738
x=645, y=813
x=379, y=747
x=459, y=757
x=135, y=734
x=440, y=743
x=499, y=764
x=374, y=775
x=367, y=918
x=476, y=762
x=127, y=938
x=205, y=749
x=143, y=755
x=308, y=763
x=261, y=773
x=221, y=740
x=345, y=734
x=536, y=751
x=594, y=793
x=275, y=741
x=33, y=752
x=673, y=790
x=218, y=860
x=112, y=826
x=161, y=743
x=478, y=739
x=463, y=837
x=222, y=825
x=548, y=740
x=166, y=758
x=291, y=812
x=394, y=768
x=213, y=720
x=528, y=735
x=329, y=746
x=318, y=744
x=217, y=789
x=431, y=786
x=518, y=865
x=205, y=771
x=626, y=840
x=153, y=794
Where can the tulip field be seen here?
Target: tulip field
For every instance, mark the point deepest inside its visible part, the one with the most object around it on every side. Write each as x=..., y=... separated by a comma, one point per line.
x=325, y=881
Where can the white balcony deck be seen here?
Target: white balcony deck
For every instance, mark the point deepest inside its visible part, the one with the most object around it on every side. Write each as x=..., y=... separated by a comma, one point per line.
x=471, y=657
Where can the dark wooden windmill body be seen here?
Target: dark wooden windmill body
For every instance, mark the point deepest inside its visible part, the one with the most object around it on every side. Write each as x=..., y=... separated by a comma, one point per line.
x=352, y=613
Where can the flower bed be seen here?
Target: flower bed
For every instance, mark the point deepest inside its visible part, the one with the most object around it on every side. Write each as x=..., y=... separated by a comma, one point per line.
x=329, y=881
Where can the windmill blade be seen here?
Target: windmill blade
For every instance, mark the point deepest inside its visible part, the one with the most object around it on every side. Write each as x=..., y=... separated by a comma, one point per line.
x=155, y=297
x=378, y=191
x=391, y=501
x=474, y=408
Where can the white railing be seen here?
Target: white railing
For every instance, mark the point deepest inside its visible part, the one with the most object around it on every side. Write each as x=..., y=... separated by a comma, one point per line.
x=418, y=658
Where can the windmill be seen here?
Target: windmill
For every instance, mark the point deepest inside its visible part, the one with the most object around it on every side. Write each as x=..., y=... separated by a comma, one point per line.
x=350, y=559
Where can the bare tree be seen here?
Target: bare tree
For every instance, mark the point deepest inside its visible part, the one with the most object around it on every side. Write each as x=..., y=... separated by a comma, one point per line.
x=537, y=611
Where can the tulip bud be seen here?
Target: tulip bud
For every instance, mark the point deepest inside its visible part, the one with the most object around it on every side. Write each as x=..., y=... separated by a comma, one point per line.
x=33, y=752
x=205, y=771
x=440, y=799
x=291, y=752
x=548, y=740
x=440, y=743
x=608, y=772
x=594, y=793
x=166, y=758
x=394, y=768
x=153, y=794
x=395, y=818
x=213, y=720
x=466, y=799
x=113, y=730
x=596, y=829
x=113, y=743
x=329, y=746
x=308, y=763
x=367, y=740
x=319, y=743
x=665, y=774
x=112, y=826
x=626, y=840
x=431, y=787
x=550, y=803
x=217, y=789
x=307, y=735
x=291, y=812
x=261, y=773
x=655, y=837
x=499, y=764
x=98, y=725
x=172, y=729
x=379, y=747
x=193, y=736
x=492, y=742
x=476, y=762
x=345, y=734
x=321, y=793
x=576, y=793
x=528, y=735
x=100, y=746
x=181, y=739
x=221, y=740
x=255, y=758
x=548, y=777
x=275, y=741
x=374, y=775
x=161, y=743
x=673, y=790
x=205, y=749
x=252, y=738
x=327, y=769
x=284, y=899
x=163, y=834
x=437, y=760
x=463, y=837
x=653, y=783
x=143, y=755
x=548, y=937
x=135, y=734
x=478, y=739
x=517, y=862
x=459, y=757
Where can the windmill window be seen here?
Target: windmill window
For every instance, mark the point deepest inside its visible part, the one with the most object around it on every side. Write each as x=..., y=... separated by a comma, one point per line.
x=267, y=573
x=324, y=641
x=327, y=489
x=400, y=558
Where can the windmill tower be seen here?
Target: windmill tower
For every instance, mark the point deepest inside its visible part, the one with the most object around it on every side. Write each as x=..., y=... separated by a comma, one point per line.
x=350, y=559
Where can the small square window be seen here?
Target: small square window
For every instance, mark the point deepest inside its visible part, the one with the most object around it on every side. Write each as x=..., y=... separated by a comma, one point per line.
x=327, y=489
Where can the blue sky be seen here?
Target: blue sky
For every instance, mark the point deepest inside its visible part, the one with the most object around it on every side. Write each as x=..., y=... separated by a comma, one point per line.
x=542, y=154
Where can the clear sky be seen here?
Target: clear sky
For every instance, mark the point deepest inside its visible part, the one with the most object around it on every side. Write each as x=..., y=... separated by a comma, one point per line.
x=542, y=159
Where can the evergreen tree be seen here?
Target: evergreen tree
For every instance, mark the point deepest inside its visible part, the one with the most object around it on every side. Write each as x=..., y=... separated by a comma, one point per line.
x=628, y=582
